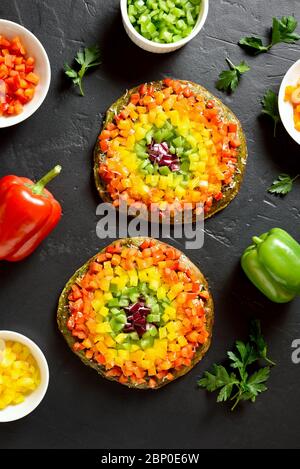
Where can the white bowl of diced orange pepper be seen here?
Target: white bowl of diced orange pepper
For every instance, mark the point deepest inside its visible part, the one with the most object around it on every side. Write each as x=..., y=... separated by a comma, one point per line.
x=25, y=73
x=24, y=376
x=289, y=101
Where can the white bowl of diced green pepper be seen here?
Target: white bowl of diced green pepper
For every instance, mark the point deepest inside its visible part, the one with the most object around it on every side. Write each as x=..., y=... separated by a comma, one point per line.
x=162, y=26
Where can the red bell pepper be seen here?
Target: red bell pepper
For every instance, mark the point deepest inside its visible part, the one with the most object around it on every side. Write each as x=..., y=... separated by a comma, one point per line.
x=28, y=213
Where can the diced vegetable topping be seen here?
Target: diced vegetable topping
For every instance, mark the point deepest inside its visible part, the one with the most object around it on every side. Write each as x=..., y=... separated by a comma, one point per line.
x=17, y=78
x=164, y=21
x=292, y=94
x=140, y=312
x=168, y=147
x=159, y=154
x=137, y=317
x=19, y=374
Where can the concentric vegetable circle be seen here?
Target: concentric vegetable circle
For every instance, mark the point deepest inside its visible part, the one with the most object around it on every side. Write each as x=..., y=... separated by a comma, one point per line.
x=158, y=124
x=139, y=312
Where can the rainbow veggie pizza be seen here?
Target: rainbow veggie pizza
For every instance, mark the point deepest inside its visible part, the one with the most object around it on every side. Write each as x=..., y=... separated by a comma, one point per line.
x=169, y=143
x=139, y=313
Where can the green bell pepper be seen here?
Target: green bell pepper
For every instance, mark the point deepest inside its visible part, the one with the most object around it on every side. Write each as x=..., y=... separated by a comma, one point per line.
x=272, y=263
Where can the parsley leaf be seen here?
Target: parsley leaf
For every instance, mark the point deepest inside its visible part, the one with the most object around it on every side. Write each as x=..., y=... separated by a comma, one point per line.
x=282, y=185
x=247, y=386
x=270, y=107
x=253, y=44
x=283, y=30
x=219, y=378
x=88, y=57
x=229, y=79
x=254, y=385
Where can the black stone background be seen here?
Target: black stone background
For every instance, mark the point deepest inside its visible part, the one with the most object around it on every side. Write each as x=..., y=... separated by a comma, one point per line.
x=82, y=410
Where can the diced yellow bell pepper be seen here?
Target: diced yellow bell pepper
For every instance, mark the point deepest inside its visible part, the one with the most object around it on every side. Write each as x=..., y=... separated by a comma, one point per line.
x=152, y=115
x=125, y=124
x=102, y=347
x=119, y=361
x=171, y=312
x=174, y=117
x=107, y=296
x=103, y=328
x=154, y=284
x=134, y=348
x=145, y=364
x=163, y=182
x=161, y=292
x=163, y=332
x=137, y=356
x=123, y=354
x=87, y=343
x=140, y=133
x=180, y=192
x=194, y=158
x=182, y=341
x=97, y=304
x=98, y=295
x=174, y=347
x=143, y=118
x=165, y=317
x=175, y=290
x=133, y=278
x=120, y=338
x=104, y=284
x=143, y=276
x=130, y=142
x=103, y=311
x=152, y=371
x=119, y=270
x=110, y=354
x=109, y=341
x=141, y=109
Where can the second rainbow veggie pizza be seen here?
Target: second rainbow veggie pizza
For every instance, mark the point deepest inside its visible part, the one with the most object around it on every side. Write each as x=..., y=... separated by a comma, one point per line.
x=139, y=313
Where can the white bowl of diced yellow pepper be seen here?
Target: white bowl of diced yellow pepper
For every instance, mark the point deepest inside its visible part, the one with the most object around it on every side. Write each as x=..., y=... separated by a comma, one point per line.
x=24, y=376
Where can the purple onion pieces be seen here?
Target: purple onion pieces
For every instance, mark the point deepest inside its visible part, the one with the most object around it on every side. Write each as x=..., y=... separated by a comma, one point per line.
x=160, y=154
x=137, y=317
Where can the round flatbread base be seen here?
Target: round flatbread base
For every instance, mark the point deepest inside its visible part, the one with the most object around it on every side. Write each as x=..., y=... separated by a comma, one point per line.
x=63, y=316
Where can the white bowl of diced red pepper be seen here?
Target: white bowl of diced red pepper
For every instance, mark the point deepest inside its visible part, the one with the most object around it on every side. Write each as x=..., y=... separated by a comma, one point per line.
x=162, y=26
x=25, y=73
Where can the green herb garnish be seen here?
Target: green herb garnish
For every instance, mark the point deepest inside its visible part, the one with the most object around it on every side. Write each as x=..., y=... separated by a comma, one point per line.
x=283, y=30
x=88, y=57
x=229, y=79
x=241, y=384
x=282, y=185
x=270, y=107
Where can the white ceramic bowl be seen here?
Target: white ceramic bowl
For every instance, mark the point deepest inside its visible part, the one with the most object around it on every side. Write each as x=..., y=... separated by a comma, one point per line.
x=285, y=108
x=16, y=412
x=42, y=67
x=155, y=47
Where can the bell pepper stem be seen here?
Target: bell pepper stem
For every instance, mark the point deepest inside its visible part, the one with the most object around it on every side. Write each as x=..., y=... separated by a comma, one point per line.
x=256, y=240
x=40, y=185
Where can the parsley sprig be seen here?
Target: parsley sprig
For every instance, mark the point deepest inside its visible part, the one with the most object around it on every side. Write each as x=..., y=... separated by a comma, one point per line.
x=88, y=57
x=229, y=79
x=240, y=384
x=270, y=107
x=283, y=30
x=283, y=184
